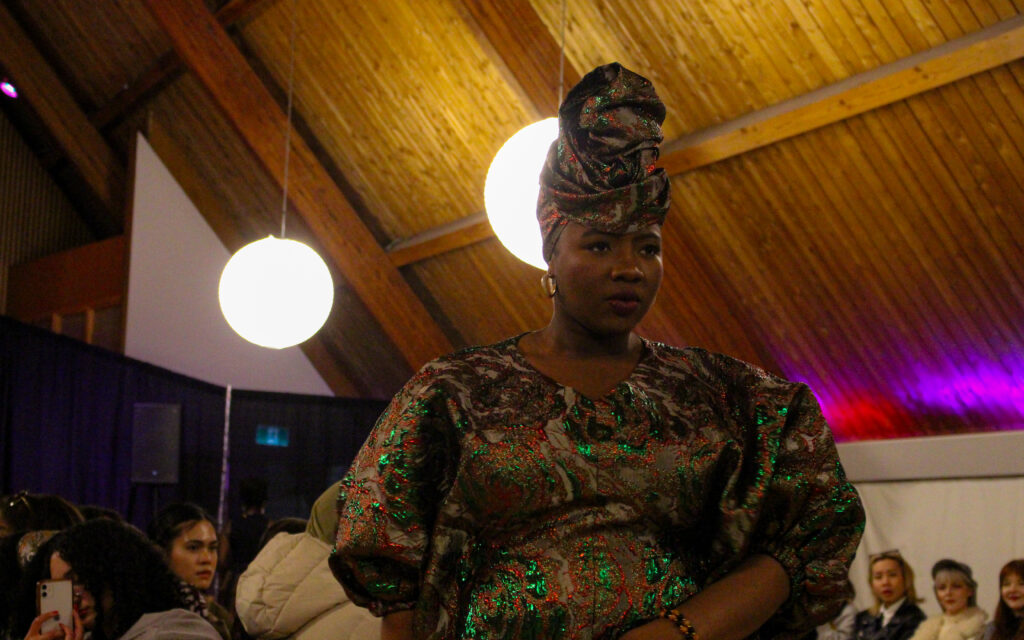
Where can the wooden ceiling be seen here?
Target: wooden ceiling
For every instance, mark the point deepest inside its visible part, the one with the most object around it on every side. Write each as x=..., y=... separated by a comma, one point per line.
x=848, y=175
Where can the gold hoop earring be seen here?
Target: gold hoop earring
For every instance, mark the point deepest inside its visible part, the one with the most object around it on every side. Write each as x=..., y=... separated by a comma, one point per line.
x=547, y=281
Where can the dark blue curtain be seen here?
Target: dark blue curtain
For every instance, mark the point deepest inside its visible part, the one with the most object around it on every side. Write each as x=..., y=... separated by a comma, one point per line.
x=66, y=411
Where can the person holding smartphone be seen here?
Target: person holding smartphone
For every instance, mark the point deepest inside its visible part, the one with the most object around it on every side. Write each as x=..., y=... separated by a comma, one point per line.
x=122, y=588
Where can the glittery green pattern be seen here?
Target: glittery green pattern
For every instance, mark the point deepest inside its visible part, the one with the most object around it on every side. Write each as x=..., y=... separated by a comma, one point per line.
x=498, y=504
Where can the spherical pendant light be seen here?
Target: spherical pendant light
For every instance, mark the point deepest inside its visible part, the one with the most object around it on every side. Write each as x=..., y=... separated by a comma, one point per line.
x=276, y=293
x=510, y=192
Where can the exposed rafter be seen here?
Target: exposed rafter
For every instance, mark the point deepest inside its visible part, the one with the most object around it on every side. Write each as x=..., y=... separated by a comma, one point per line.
x=168, y=66
x=523, y=44
x=84, y=146
x=207, y=50
x=980, y=51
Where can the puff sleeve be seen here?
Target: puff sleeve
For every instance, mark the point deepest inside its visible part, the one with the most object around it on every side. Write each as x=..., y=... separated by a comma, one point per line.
x=798, y=508
x=387, y=500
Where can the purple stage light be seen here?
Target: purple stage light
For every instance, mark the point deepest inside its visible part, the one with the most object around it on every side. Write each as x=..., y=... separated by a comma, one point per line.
x=992, y=387
x=9, y=90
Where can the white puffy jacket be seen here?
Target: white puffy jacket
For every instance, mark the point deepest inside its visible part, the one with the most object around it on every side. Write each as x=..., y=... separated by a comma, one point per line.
x=289, y=591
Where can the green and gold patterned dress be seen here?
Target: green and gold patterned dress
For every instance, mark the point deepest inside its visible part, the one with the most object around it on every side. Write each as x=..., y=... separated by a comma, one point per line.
x=497, y=503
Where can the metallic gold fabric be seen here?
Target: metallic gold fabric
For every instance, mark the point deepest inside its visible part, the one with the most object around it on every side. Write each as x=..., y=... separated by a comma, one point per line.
x=499, y=504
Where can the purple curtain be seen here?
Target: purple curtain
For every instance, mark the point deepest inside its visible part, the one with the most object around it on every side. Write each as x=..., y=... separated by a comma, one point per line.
x=66, y=412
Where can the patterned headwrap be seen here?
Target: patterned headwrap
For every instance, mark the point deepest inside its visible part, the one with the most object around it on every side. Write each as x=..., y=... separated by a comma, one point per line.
x=600, y=171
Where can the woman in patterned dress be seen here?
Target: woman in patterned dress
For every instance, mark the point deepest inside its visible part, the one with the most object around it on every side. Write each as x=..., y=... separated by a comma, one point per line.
x=583, y=482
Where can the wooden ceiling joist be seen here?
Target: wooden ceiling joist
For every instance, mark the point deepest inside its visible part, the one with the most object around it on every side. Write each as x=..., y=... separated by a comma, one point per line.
x=525, y=47
x=980, y=51
x=983, y=50
x=81, y=143
x=167, y=67
x=207, y=50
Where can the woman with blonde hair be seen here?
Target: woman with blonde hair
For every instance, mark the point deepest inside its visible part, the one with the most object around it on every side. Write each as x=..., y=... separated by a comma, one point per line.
x=956, y=591
x=895, y=614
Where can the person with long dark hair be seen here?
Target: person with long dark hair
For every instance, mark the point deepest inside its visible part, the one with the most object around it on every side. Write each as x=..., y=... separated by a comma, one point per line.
x=1006, y=623
x=123, y=588
x=24, y=511
x=188, y=537
x=580, y=481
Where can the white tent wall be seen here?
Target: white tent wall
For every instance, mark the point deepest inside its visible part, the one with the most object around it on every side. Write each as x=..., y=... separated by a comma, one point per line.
x=959, y=497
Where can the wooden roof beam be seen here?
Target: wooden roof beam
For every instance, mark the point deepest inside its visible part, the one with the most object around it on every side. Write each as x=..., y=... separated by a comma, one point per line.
x=957, y=59
x=523, y=48
x=167, y=67
x=974, y=53
x=207, y=50
x=83, y=145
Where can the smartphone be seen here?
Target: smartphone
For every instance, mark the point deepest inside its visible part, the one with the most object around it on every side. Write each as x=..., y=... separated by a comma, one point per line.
x=55, y=595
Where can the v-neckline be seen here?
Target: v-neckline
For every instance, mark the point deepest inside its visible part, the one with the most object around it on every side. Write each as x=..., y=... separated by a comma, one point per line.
x=603, y=397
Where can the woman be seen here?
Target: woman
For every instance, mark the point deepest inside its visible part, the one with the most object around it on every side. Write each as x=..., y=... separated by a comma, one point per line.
x=581, y=481
x=122, y=587
x=955, y=589
x=288, y=589
x=188, y=538
x=1006, y=624
x=895, y=614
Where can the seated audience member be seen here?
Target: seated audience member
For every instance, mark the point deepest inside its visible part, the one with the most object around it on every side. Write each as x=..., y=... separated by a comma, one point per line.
x=841, y=627
x=288, y=589
x=15, y=552
x=123, y=588
x=956, y=591
x=92, y=512
x=895, y=614
x=186, y=534
x=282, y=525
x=1006, y=624
x=25, y=511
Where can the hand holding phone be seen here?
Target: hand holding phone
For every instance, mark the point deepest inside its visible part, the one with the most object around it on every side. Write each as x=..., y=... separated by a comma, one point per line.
x=55, y=595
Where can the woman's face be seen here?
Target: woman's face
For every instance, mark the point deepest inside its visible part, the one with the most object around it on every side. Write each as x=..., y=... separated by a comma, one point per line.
x=953, y=592
x=1011, y=589
x=193, y=554
x=85, y=604
x=887, y=581
x=606, y=282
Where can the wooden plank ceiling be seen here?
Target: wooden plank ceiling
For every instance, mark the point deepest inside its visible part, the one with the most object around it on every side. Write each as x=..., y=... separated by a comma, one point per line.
x=848, y=175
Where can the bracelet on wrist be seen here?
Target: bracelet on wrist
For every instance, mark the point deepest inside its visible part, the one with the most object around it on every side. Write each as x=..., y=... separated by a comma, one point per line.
x=682, y=623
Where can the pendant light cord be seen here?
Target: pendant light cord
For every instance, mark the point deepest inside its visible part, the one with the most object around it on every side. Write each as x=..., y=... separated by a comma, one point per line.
x=561, y=60
x=288, y=126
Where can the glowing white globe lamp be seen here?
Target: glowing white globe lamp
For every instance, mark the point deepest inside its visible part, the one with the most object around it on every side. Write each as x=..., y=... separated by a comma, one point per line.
x=276, y=293
x=511, y=188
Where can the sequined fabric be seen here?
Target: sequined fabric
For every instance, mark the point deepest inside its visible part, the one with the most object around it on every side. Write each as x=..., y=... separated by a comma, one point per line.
x=600, y=172
x=497, y=503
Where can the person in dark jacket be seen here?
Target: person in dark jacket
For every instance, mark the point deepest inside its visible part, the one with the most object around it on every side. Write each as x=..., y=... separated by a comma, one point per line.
x=895, y=614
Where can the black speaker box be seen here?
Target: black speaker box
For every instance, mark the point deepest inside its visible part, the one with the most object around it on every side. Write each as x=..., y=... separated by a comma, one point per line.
x=156, y=443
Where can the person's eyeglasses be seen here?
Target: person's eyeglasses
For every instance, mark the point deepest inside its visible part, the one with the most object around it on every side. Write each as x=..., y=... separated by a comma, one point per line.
x=889, y=554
